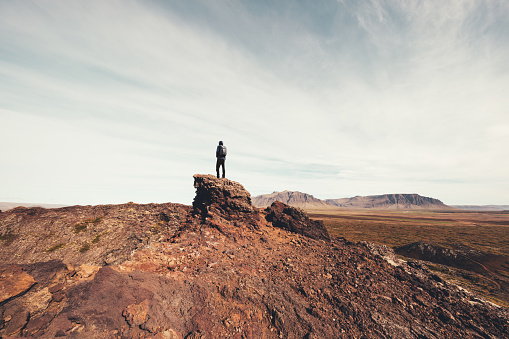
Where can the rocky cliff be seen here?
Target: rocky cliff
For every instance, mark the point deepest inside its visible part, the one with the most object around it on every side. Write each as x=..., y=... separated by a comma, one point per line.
x=218, y=269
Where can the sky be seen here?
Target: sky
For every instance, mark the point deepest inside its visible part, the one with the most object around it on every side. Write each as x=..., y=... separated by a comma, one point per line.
x=105, y=102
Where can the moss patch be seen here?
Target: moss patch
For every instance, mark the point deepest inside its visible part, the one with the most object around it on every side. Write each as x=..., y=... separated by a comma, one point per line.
x=8, y=238
x=94, y=221
x=98, y=237
x=157, y=228
x=54, y=248
x=81, y=226
x=85, y=248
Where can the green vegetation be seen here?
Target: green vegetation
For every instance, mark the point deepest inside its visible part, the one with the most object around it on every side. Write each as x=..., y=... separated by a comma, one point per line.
x=157, y=228
x=56, y=247
x=94, y=221
x=98, y=237
x=81, y=226
x=85, y=248
x=8, y=238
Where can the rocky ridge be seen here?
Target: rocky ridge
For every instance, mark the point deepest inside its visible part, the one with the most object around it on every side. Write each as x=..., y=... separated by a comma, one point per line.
x=391, y=201
x=219, y=269
x=292, y=198
x=384, y=201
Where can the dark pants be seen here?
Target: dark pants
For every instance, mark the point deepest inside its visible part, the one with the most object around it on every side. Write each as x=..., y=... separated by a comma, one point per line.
x=219, y=163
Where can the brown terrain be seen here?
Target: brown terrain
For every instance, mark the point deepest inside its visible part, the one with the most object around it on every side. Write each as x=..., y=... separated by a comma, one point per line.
x=467, y=247
x=218, y=269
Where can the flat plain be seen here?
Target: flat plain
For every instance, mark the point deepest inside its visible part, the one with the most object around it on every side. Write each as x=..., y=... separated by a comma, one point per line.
x=486, y=232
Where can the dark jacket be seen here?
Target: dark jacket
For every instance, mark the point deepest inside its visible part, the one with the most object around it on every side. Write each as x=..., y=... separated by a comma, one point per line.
x=217, y=152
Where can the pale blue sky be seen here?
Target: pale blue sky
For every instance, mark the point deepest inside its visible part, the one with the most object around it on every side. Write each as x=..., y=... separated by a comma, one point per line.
x=116, y=101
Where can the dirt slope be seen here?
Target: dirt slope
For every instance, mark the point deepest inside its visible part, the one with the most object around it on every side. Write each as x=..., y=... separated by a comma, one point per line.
x=219, y=269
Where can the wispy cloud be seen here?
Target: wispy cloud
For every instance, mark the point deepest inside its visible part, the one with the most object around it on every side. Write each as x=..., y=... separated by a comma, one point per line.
x=335, y=99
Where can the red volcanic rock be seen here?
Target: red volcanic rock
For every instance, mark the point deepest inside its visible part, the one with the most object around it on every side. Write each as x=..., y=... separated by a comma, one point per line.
x=227, y=196
x=13, y=281
x=136, y=314
x=98, y=235
x=222, y=269
x=296, y=221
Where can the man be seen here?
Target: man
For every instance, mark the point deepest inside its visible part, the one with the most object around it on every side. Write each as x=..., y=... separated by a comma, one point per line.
x=221, y=157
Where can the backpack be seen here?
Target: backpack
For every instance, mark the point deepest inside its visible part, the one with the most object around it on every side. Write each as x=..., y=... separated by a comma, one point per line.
x=222, y=151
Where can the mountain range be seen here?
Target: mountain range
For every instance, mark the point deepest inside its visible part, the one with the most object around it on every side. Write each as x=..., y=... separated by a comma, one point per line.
x=384, y=201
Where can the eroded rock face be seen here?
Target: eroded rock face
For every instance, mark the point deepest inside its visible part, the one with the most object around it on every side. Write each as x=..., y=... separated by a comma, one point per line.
x=229, y=271
x=296, y=221
x=226, y=196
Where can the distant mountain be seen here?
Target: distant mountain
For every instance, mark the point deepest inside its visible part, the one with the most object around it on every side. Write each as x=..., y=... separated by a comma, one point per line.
x=483, y=208
x=384, y=201
x=390, y=201
x=297, y=199
x=4, y=206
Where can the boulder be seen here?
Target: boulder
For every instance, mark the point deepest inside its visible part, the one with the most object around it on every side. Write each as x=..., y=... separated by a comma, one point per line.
x=295, y=220
x=13, y=281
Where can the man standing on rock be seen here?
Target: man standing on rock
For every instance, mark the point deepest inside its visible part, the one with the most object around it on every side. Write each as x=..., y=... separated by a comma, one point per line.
x=221, y=157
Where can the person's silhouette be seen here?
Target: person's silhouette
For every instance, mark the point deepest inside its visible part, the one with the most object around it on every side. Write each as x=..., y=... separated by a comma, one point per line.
x=221, y=157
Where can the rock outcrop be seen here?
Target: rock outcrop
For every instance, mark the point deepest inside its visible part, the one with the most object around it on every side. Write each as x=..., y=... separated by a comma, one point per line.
x=219, y=269
x=222, y=195
x=296, y=221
